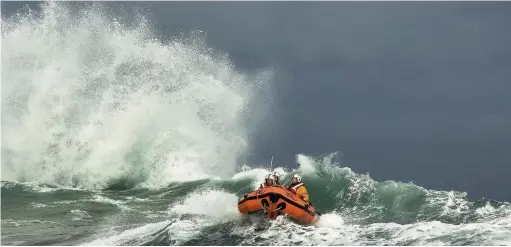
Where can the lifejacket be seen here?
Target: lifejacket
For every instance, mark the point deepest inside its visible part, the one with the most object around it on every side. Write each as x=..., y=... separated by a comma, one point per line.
x=293, y=188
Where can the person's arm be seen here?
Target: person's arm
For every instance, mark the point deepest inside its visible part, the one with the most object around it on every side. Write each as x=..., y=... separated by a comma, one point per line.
x=302, y=191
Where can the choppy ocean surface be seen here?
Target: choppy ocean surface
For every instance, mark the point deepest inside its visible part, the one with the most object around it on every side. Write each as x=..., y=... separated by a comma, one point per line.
x=112, y=136
x=356, y=211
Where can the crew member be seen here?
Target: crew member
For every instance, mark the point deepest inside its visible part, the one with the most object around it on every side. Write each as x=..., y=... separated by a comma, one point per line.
x=268, y=181
x=298, y=188
x=276, y=178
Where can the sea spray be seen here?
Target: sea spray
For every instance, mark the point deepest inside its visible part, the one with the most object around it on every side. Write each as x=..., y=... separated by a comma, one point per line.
x=88, y=101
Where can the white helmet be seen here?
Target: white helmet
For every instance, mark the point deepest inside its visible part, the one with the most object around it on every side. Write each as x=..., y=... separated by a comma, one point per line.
x=298, y=178
x=269, y=177
x=276, y=177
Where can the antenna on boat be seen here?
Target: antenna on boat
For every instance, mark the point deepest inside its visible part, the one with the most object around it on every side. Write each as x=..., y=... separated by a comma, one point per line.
x=271, y=163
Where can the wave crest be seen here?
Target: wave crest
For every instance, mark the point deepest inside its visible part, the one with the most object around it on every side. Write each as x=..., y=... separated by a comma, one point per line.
x=89, y=101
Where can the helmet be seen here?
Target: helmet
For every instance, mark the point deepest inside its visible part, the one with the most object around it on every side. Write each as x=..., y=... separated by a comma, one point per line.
x=269, y=177
x=276, y=178
x=298, y=178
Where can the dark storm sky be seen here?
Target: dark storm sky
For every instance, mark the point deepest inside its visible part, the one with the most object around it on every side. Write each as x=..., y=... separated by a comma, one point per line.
x=408, y=91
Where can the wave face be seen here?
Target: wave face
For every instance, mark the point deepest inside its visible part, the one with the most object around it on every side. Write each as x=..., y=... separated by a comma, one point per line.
x=89, y=101
x=112, y=137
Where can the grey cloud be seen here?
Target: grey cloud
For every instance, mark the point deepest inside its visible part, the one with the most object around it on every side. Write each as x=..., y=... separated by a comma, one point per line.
x=410, y=32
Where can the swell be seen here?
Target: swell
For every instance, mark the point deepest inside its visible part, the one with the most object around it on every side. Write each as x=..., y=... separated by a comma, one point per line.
x=360, y=199
x=334, y=189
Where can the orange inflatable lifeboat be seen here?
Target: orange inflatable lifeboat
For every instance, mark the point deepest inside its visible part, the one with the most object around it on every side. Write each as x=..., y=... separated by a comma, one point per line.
x=277, y=200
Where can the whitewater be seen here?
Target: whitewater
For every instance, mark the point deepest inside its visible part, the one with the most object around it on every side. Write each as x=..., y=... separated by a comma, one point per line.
x=112, y=135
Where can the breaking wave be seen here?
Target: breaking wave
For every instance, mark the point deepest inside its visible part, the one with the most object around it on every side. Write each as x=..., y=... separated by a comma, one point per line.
x=89, y=101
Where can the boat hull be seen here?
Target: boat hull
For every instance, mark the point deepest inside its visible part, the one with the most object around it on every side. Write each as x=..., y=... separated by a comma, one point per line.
x=277, y=200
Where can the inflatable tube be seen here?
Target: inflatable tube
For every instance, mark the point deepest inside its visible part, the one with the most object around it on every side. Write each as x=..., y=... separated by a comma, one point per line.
x=277, y=200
